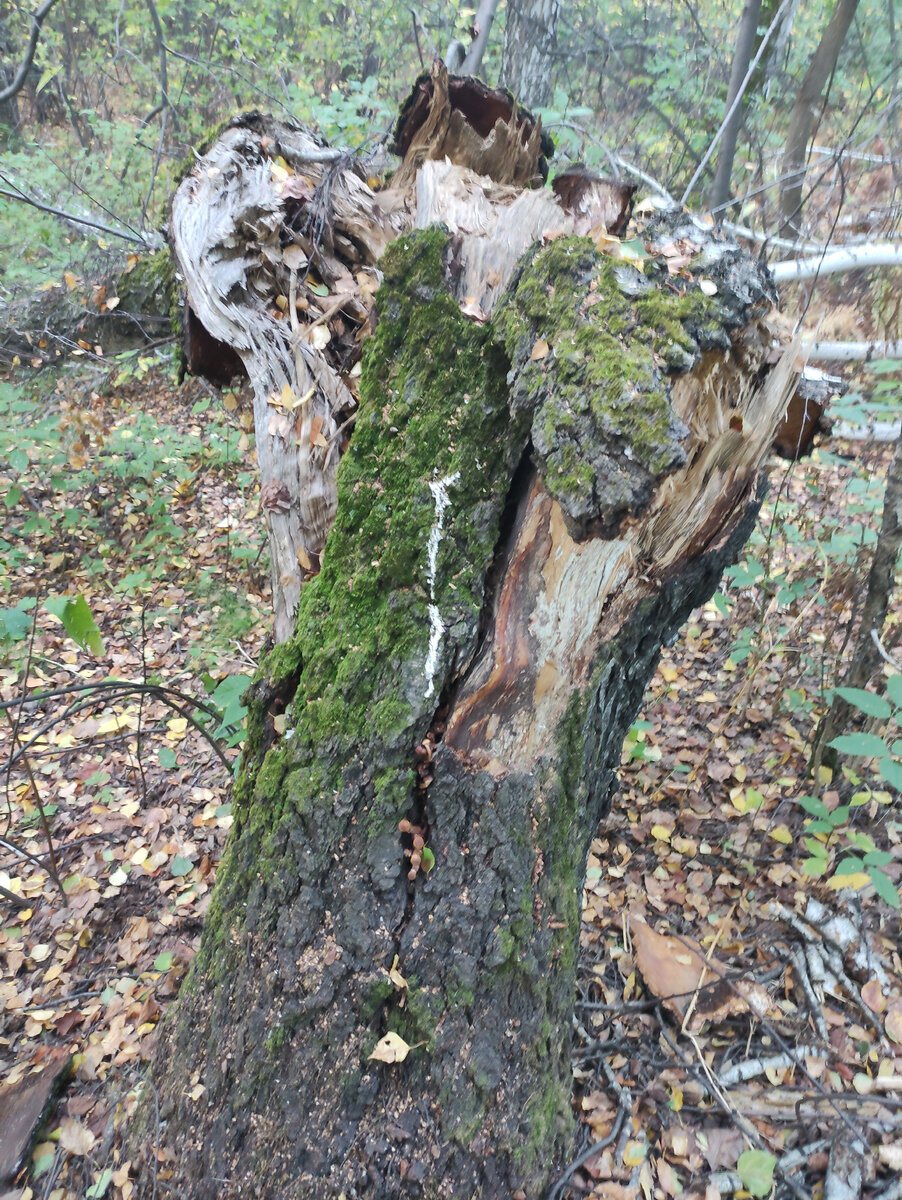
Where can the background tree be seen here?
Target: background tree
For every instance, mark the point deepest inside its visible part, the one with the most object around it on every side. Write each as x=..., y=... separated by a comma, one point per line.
x=805, y=112
x=530, y=42
x=742, y=57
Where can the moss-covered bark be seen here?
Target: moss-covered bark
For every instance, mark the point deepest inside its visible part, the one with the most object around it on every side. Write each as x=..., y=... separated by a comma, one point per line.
x=264, y=1074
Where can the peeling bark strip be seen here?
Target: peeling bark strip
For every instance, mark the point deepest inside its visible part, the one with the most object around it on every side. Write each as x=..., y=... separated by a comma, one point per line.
x=556, y=452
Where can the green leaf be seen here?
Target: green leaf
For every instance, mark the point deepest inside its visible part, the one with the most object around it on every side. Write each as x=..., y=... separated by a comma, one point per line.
x=180, y=866
x=14, y=624
x=813, y=805
x=77, y=621
x=866, y=702
x=43, y=1164
x=166, y=757
x=877, y=858
x=891, y=771
x=99, y=1189
x=18, y=460
x=884, y=887
x=814, y=866
x=756, y=1170
x=227, y=697
x=865, y=744
x=427, y=859
x=163, y=962
x=894, y=689
x=851, y=865
x=819, y=826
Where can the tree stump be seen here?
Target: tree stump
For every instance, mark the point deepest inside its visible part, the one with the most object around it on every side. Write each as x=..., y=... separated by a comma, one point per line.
x=557, y=447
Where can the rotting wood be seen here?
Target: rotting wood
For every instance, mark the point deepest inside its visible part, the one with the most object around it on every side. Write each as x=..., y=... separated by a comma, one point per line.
x=557, y=449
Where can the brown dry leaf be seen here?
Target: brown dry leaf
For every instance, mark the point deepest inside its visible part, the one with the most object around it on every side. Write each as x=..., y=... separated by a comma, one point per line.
x=721, y=1147
x=293, y=256
x=390, y=1049
x=893, y=1025
x=872, y=995
x=472, y=309
x=539, y=350
x=671, y=969
x=75, y=1137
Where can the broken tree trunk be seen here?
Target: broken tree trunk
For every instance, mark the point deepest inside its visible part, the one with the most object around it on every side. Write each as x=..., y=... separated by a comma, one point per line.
x=556, y=451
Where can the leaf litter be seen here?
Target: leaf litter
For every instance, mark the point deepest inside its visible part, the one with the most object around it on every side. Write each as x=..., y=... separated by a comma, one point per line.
x=736, y=1016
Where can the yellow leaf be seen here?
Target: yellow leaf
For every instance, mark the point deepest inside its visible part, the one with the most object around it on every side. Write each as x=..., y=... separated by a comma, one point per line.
x=539, y=350
x=676, y=1098
x=669, y=674
x=114, y=723
x=390, y=1049
x=176, y=729
x=661, y=833
x=71, y=280
x=737, y=799
x=287, y=397
x=230, y=401
x=740, y=772
x=782, y=835
x=707, y=698
x=634, y=1153
x=396, y=977
x=856, y=881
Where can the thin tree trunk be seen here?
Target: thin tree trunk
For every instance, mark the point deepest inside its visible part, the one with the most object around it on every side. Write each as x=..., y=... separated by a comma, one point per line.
x=804, y=114
x=482, y=27
x=530, y=40
x=553, y=459
x=881, y=582
x=742, y=56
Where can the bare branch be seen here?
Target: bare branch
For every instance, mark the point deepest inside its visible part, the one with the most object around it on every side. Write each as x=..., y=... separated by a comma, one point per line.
x=833, y=262
x=37, y=20
x=66, y=216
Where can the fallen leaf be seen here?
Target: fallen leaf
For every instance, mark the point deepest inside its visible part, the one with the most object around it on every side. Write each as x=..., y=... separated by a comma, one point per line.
x=390, y=1049
x=75, y=1137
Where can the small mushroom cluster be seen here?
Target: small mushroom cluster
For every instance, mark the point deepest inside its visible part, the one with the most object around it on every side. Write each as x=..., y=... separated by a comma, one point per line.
x=415, y=850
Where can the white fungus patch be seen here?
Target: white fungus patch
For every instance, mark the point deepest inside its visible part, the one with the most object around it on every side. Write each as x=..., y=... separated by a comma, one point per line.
x=439, y=489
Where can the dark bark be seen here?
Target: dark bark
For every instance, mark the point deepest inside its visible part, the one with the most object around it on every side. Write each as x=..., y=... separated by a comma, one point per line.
x=548, y=470
x=742, y=56
x=530, y=41
x=804, y=114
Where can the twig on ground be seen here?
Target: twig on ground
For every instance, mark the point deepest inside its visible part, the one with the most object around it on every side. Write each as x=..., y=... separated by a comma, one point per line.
x=800, y=967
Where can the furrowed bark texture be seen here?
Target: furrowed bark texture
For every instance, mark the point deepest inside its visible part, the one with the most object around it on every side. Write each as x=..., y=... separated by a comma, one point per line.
x=539, y=489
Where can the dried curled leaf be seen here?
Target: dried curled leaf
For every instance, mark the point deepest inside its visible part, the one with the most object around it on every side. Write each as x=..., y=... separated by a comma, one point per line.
x=390, y=1049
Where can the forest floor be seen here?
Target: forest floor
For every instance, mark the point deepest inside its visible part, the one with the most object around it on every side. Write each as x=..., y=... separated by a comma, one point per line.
x=137, y=496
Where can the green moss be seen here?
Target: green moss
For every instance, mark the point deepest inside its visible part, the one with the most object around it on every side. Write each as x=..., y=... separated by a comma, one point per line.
x=363, y=626
x=379, y=992
x=276, y=1040
x=151, y=286
x=603, y=427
